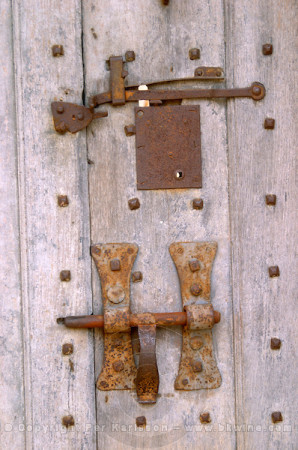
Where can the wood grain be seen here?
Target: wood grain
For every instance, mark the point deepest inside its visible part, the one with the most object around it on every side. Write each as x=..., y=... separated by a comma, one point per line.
x=161, y=38
x=11, y=348
x=263, y=162
x=53, y=238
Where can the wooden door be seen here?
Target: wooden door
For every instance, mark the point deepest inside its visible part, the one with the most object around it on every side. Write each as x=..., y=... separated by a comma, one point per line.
x=42, y=388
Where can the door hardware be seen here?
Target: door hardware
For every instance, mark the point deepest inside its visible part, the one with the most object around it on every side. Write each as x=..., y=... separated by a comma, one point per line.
x=73, y=118
x=198, y=369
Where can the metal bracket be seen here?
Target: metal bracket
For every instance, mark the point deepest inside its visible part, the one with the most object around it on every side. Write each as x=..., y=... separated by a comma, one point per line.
x=73, y=118
x=198, y=369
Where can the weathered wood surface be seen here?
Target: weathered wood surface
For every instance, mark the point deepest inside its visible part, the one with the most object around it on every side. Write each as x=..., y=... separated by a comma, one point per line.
x=263, y=162
x=242, y=162
x=52, y=238
x=161, y=38
x=11, y=348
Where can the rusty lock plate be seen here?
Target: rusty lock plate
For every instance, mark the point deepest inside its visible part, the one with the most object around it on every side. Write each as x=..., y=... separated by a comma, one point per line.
x=168, y=143
x=198, y=368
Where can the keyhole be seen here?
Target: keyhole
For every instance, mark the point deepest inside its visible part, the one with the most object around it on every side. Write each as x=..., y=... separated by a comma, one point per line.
x=179, y=174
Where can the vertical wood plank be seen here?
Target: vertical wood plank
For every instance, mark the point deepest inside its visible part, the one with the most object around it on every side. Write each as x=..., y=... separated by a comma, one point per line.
x=11, y=349
x=53, y=238
x=262, y=162
x=161, y=38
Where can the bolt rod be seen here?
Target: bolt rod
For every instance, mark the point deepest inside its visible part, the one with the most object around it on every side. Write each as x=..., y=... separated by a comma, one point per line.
x=161, y=319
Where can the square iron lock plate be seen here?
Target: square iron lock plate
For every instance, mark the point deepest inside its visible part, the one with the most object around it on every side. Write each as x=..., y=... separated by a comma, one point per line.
x=168, y=147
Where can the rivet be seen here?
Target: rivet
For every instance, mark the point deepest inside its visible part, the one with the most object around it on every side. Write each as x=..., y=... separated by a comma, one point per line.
x=256, y=90
x=118, y=366
x=194, y=53
x=269, y=123
x=130, y=130
x=116, y=294
x=273, y=271
x=115, y=264
x=197, y=365
x=65, y=275
x=57, y=50
x=198, y=72
x=60, y=109
x=267, y=49
x=141, y=421
x=218, y=73
x=80, y=116
x=134, y=203
x=67, y=349
x=194, y=265
x=196, y=342
x=276, y=416
x=62, y=201
x=178, y=174
x=137, y=277
x=68, y=421
x=205, y=418
x=275, y=344
x=130, y=56
x=185, y=381
x=271, y=199
x=197, y=203
x=195, y=289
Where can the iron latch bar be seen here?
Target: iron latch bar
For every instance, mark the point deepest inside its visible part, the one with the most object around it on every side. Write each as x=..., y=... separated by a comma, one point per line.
x=198, y=369
x=73, y=118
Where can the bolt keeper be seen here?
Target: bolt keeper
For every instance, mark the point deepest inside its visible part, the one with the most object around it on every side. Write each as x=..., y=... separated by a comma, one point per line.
x=116, y=320
x=200, y=317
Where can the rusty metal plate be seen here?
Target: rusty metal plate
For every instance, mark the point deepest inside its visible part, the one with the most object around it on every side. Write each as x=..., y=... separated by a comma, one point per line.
x=168, y=147
x=114, y=263
x=198, y=368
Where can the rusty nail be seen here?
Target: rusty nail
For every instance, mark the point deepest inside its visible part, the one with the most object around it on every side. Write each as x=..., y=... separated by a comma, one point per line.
x=141, y=421
x=80, y=116
x=130, y=130
x=118, y=366
x=269, y=123
x=197, y=203
x=218, y=73
x=271, y=199
x=196, y=342
x=276, y=416
x=205, y=418
x=267, y=49
x=136, y=277
x=68, y=421
x=67, y=349
x=60, y=109
x=194, y=265
x=130, y=56
x=134, y=203
x=275, y=344
x=57, y=50
x=195, y=289
x=198, y=72
x=185, y=381
x=194, y=53
x=273, y=271
x=197, y=366
x=256, y=90
x=65, y=275
x=115, y=264
x=63, y=201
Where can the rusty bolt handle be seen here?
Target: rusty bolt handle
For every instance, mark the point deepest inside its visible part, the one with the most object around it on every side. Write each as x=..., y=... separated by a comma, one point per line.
x=136, y=320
